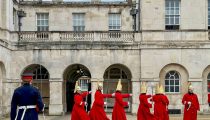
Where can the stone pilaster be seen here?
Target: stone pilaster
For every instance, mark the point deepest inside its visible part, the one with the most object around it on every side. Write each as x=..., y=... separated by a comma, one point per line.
x=135, y=97
x=56, y=106
x=8, y=90
x=94, y=85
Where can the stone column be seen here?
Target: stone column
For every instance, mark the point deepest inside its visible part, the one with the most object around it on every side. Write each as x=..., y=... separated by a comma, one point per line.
x=55, y=106
x=94, y=82
x=135, y=98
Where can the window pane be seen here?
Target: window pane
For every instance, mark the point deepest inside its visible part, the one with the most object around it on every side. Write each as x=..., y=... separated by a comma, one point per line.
x=176, y=21
x=171, y=82
x=208, y=82
x=177, y=89
x=208, y=76
x=172, y=89
x=166, y=82
x=176, y=82
x=166, y=88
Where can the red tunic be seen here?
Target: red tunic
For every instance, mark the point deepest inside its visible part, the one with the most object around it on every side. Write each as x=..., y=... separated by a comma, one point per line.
x=190, y=111
x=78, y=111
x=97, y=112
x=161, y=107
x=118, y=111
x=208, y=98
x=143, y=111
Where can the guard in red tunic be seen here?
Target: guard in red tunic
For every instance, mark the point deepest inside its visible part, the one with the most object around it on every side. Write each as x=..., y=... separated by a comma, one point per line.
x=97, y=112
x=78, y=112
x=191, y=104
x=161, y=103
x=209, y=99
x=118, y=111
x=144, y=106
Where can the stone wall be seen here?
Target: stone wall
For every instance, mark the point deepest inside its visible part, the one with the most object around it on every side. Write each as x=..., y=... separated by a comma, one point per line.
x=193, y=15
x=96, y=17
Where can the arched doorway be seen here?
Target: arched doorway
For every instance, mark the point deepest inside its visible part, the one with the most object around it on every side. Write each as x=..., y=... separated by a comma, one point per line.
x=40, y=81
x=111, y=77
x=73, y=73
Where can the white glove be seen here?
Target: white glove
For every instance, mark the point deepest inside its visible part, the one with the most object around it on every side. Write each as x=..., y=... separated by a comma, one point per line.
x=113, y=94
x=131, y=94
x=85, y=103
x=189, y=103
x=105, y=103
x=89, y=92
x=128, y=103
x=151, y=110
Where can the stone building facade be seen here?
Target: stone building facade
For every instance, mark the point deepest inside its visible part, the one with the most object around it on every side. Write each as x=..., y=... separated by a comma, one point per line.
x=65, y=41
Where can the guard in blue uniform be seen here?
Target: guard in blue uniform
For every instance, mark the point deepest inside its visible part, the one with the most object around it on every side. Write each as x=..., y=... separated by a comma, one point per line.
x=26, y=101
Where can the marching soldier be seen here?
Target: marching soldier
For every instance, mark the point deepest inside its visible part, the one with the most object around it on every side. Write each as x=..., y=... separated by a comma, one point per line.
x=97, y=112
x=144, y=106
x=118, y=111
x=161, y=103
x=78, y=112
x=26, y=101
x=209, y=99
x=191, y=104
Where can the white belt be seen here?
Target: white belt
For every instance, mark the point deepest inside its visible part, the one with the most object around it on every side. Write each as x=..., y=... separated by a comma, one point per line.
x=24, y=110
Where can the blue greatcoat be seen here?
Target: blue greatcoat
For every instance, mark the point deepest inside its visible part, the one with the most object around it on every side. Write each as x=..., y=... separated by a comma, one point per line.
x=24, y=96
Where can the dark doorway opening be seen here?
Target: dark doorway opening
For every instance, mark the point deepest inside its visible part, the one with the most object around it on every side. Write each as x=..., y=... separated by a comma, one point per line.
x=72, y=74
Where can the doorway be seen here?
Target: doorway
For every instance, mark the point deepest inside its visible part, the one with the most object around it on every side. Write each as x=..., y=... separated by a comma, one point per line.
x=111, y=77
x=40, y=81
x=73, y=73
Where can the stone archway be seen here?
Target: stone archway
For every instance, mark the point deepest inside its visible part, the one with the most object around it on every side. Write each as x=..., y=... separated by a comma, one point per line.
x=2, y=77
x=111, y=76
x=206, y=87
x=40, y=81
x=73, y=73
x=176, y=72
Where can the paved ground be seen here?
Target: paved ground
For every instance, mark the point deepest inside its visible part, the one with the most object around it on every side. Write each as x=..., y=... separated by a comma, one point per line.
x=129, y=117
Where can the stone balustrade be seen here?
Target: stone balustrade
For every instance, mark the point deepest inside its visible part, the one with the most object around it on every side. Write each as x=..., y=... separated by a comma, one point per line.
x=34, y=36
x=76, y=36
x=114, y=36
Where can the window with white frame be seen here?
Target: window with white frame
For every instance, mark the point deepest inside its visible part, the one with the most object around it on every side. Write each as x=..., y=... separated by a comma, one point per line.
x=172, y=82
x=42, y=21
x=79, y=21
x=84, y=84
x=208, y=82
x=208, y=14
x=114, y=22
x=172, y=14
